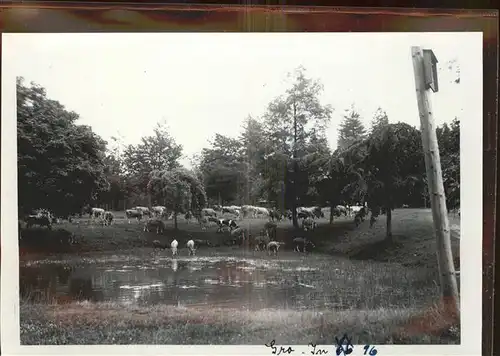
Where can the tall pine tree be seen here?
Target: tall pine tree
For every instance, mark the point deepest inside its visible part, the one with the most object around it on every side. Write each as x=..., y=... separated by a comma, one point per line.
x=351, y=129
x=380, y=120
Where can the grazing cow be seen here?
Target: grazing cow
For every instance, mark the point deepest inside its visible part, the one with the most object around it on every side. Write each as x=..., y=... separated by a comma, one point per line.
x=204, y=222
x=187, y=216
x=190, y=246
x=173, y=247
x=41, y=218
x=231, y=210
x=302, y=242
x=96, y=213
x=261, y=241
x=360, y=216
x=342, y=209
x=198, y=243
x=108, y=218
x=247, y=211
x=158, y=210
x=273, y=247
x=239, y=234
x=354, y=209
x=158, y=245
x=145, y=211
x=308, y=224
x=154, y=223
x=134, y=213
x=270, y=229
x=208, y=212
x=304, y=214
x=261, y=211
x=231, y=224
x=275, y=214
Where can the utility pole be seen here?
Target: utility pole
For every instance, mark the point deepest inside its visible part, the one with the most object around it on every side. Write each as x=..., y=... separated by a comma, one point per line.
x=424, y=66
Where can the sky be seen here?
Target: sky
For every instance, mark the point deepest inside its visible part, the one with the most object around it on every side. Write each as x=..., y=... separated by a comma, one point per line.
x=206, y=83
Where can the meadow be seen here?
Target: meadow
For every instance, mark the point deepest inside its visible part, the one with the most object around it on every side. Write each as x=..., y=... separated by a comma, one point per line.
x=354, y=282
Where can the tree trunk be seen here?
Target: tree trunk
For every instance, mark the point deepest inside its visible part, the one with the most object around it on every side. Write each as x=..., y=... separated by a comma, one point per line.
x=175, y=220
x=295, y=170
x=388, y=235
x=332, y=207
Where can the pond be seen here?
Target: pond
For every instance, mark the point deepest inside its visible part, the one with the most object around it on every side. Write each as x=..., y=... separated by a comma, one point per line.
x=223, y=279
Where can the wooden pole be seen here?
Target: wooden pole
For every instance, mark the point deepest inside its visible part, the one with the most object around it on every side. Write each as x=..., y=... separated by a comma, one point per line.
x=437, y=196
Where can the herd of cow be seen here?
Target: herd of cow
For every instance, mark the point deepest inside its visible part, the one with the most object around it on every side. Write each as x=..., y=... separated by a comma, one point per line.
x=265, y=240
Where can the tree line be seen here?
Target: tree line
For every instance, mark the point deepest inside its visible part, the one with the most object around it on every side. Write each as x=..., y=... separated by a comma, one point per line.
x=281, y=158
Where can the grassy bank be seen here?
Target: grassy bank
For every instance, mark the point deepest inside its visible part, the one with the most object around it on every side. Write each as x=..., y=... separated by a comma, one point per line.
x=386, y=291
x=413, y=241
x=110, y=323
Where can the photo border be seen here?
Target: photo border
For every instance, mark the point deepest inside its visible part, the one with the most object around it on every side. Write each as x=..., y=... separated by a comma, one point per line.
x=98, y=17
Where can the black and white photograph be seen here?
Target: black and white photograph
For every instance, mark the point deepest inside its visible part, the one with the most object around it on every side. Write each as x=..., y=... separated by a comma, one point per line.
x=257, y=190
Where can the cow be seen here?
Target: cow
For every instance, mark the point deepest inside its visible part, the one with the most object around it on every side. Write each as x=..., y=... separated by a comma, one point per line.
x=273, y=247
x=261, y=241
x=134, y=213
x=304, y=214
x=261, y=211
x=354, y=209
x=231, y=224
x=187, y=216
x=275, y=214
x=158, y=245
x=270, y=229
x=360, y=216
x=154, y=223
x=145, y=211
x=302, y=242
x=190, y=246
x=308, y=224
x=248, y=211
x=108, y=218
x=208, y=212
x=96, y=213
x=158, y=210
x=198, y=243
x=342, y=209
x=173, y=247
x=204, y=222
x=239, y=234
x=231, y=210
x=41, y=218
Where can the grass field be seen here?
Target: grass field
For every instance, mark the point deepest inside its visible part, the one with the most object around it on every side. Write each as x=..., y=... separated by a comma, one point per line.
x=409, y=262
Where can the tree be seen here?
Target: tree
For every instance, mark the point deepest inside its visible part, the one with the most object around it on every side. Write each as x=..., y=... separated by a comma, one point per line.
x=291, y=122
x=222, y=169
x=156, y=152
x=351, y=129
x=252, y=155
x=449, y=149
x=178, y=189
x=60, y=164
x=393, y=164
x=380, y=120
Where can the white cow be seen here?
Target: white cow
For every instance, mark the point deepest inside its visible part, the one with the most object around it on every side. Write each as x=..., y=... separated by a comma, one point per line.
x=158, y=210
x=173, y=247
x=133, y=213
x=261, y=211
x=96, y=213
x=190, y=246
x=145, y=211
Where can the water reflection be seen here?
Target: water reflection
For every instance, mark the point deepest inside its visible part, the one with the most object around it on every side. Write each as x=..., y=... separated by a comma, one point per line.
x=219, y=281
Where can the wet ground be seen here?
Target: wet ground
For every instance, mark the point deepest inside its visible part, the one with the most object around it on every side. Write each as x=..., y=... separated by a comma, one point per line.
x=230, y=278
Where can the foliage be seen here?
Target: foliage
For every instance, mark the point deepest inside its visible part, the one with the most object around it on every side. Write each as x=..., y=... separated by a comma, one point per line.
x=156, y=152
x=61, y=165
x=222, y=169
x=178, y=190
x=380, y=120
x=294, y=125
x=449, y=149
x=351, y=129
